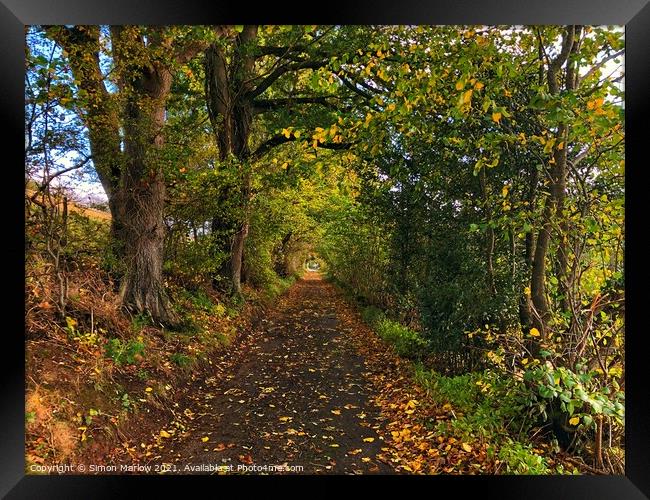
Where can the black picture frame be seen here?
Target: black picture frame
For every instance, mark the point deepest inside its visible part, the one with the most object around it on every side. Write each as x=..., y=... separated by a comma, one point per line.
x=634, y=14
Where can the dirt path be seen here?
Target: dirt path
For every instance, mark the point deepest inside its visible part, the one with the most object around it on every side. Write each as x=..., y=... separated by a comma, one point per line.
x=298, y=397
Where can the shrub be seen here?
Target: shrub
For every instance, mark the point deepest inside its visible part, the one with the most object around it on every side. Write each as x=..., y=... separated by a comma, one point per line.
x=407, y=343
x=489, y=404
x=520, y=459
x=371, y=315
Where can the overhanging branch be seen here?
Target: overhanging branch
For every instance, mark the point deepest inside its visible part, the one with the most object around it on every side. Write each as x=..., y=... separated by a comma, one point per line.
x=278, y=72
x=263, y=105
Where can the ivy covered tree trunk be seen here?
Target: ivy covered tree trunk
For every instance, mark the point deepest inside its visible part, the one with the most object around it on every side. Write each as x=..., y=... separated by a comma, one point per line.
x=141, y=205
x=141, y=193
x=125, y=135
x=231, y=114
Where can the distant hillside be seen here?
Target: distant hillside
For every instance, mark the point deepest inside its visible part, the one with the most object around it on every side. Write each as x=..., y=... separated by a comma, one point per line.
x=91, y=213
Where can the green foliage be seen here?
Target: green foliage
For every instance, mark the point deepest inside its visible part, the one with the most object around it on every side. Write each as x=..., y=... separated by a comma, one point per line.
x=140, y=321
x=180, y=359
x=407, y=343
x=492, y=405
x=447, y=152
x=519, y=458
x=200, y=300
x=372, y=315
x=580, y=395
x=124, y=352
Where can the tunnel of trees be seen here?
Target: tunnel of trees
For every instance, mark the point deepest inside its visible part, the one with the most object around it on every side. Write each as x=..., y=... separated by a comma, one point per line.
x=465, y=182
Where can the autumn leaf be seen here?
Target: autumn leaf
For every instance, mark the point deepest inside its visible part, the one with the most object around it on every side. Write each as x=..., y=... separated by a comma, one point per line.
x=574, y=420
x=466, y=447
x=205, y=438
x=165, y=434
x=496, y=117
x=534, y=332
x=369, y=439
x=336, y=412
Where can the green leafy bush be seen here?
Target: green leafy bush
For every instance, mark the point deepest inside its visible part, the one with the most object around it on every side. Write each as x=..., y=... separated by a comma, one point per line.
x=407, y=343
x=519, y=458
x=490, y=403
x=371, y=315
x=574, y=399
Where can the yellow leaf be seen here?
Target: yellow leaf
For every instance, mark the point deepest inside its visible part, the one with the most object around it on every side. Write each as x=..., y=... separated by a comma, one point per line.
x=368, y=440
x=296, y=134
x=334, y=445
x=165, y=434
x=391, y=107
x=466, y=447
x=496, y=117
x=524, y=361
x=504, y=191
x=478, y=85
x=459, y=85
x=285, y=419
x=336, y=412
x=205, y=438
x=365, y=459
x=534, y=332
x=574, y=420
x=286, y=132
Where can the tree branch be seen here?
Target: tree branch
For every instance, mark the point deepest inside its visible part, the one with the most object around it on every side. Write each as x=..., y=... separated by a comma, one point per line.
x=185, y=53
x=600, y=64
x=277, y=140
x=263, y=105
x=281, y=70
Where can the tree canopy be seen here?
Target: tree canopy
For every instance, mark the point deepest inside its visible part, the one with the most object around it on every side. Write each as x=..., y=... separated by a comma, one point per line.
x=467, y=182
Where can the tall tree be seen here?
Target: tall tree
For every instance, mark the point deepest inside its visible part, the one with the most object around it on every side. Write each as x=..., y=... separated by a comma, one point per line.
x=239, y=70
x=125, y=133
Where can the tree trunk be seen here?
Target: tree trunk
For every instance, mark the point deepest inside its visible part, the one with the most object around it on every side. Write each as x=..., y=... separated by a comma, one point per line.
x=141, y=193
x=227, y=82
x=554, y=203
